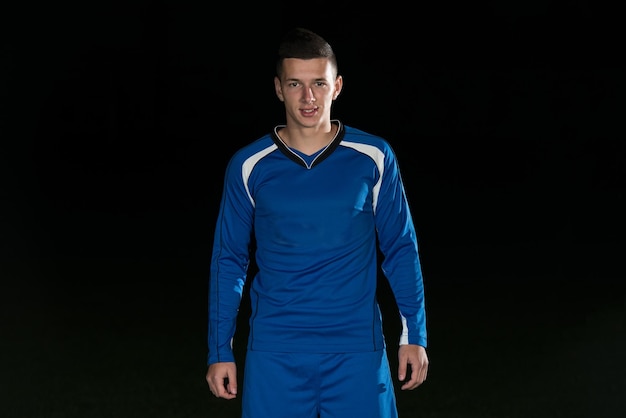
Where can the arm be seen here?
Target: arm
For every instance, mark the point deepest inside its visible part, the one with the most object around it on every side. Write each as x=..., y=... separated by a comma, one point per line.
x=229, y=265
x=401, y=265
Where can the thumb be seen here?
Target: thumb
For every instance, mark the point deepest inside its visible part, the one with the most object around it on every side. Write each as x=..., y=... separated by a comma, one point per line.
x=231, y=385
x=402, y=371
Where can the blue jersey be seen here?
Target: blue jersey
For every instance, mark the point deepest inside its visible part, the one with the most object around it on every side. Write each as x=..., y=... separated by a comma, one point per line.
x=316, y=221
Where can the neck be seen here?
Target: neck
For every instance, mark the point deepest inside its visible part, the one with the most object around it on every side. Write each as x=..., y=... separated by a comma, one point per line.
x=308, y=140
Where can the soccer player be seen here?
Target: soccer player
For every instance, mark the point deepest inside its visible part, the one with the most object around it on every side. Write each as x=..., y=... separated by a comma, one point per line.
x=318, y=198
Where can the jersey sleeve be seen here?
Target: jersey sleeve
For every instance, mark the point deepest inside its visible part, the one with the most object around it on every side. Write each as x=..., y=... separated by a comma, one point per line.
x=230, y=259
x=398, y=244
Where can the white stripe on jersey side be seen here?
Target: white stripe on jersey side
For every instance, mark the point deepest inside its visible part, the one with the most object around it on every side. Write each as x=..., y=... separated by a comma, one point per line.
x=404, y=336
x=248, y=165
x=378, y=157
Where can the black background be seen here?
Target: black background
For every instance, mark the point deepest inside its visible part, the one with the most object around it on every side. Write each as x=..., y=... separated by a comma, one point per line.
x=117, y=122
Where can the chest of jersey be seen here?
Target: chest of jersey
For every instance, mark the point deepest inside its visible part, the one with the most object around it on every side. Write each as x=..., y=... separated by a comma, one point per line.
x=328, y=204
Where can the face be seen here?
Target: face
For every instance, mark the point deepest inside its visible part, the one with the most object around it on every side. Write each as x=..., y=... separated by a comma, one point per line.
x=308, y=88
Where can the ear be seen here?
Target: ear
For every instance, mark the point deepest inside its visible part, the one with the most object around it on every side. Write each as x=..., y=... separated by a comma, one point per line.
x=278, y=88
x=338, y=86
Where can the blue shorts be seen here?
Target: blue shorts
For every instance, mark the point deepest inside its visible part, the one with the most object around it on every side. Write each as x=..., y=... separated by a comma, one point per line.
x=329, y=385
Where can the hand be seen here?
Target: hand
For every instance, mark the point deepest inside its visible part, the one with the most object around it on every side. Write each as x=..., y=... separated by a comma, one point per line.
x=414, y=356
x=222, y=379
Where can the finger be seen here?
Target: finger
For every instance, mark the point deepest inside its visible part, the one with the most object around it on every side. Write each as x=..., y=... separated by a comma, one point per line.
x=411, y=382
x=423, y=373
x=209, y=381
x=224, y=388
x=224, y=392
x=214, y=386
x=418, y=376
x=217, y=385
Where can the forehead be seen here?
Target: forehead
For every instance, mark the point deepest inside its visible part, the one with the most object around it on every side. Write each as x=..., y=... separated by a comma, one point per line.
x=314, y=68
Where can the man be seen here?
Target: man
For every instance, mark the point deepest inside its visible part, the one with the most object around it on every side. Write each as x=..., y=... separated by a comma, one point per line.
x=317, y=197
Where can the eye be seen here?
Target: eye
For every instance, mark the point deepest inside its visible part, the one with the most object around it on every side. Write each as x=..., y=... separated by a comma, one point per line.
x=293, y=84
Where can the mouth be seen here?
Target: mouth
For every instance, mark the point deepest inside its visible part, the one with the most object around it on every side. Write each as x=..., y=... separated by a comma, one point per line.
x=308, y=112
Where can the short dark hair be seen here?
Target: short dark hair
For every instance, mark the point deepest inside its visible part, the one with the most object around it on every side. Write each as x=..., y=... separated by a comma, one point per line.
x=304, y=44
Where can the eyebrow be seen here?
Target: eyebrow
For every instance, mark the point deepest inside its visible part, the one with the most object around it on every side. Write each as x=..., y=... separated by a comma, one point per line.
x=298, y=79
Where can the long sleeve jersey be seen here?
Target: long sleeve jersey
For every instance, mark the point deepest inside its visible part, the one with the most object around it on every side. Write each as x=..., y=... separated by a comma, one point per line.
x=317, y=221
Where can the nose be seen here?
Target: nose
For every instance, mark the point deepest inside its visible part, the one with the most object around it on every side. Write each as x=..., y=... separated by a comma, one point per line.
x=307, y=96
